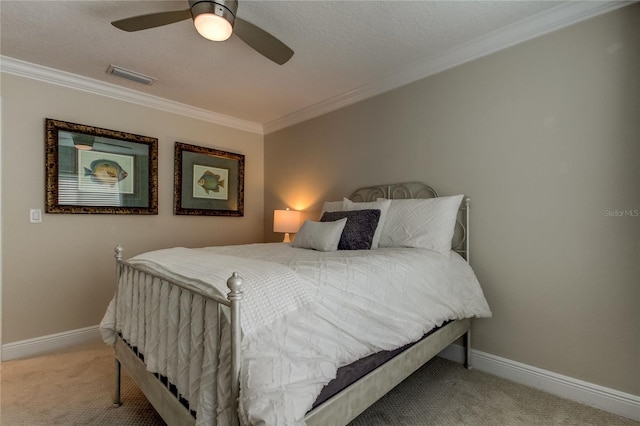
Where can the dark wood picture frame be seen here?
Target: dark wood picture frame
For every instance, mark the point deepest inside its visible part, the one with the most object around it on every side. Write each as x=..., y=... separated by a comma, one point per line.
x=208, y=181
x=93, y=170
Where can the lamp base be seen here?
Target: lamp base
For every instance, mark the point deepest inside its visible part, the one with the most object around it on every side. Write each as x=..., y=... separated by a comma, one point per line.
x=286, y=238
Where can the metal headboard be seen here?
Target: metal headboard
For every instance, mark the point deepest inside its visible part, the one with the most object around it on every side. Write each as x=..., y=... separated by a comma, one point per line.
x=460, y=242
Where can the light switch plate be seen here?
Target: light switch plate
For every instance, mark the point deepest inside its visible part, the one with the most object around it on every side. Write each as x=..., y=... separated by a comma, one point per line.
x=35, y=216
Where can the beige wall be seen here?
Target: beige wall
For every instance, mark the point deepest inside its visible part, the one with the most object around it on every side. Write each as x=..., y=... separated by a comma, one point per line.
x=58, y=275
x=544, y=137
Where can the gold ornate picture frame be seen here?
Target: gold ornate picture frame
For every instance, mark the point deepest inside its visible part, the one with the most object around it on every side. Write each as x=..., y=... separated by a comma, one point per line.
x=95, y=170
x=207, y=181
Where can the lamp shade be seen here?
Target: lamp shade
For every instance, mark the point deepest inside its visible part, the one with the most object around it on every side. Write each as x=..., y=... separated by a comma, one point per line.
x=286, y=220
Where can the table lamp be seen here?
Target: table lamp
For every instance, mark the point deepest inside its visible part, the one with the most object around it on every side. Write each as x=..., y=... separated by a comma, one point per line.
x=286, y=221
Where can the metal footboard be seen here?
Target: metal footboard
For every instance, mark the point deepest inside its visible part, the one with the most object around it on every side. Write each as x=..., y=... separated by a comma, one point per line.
x=163, y=394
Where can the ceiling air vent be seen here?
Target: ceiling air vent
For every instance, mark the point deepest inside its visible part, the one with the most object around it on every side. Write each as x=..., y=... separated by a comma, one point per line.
x=130, y=75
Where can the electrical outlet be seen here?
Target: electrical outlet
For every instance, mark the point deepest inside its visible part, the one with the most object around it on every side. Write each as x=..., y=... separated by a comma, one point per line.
x=35, y=216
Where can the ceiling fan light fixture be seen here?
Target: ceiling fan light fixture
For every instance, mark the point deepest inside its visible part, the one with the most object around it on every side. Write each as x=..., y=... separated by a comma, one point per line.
x=213, y=20
x=83, y=142
x=213, y=27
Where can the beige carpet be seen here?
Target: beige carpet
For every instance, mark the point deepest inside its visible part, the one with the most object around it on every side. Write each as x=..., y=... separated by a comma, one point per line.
x=75, y=387
x=71, y=387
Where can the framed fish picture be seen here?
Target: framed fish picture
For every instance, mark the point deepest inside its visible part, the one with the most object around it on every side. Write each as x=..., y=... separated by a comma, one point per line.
x=208, y=181
x=95, y=170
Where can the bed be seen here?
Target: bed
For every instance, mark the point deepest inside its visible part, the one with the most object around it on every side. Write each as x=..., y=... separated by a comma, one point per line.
x=269, y=333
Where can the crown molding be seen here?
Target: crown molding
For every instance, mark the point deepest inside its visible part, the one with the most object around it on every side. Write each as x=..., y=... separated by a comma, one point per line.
x=73, y=81
x=553, y=19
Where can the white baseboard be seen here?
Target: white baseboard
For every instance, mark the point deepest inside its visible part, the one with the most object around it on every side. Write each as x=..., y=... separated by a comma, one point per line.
x=613, y=401
x=38, y=345
x=610, y=400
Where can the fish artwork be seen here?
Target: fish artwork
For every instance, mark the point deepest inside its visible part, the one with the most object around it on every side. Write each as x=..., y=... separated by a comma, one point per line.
x=210, y=181
x=105, y=172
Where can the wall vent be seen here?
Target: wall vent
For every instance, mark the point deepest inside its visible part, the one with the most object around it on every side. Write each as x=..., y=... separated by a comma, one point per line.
x=130, y=75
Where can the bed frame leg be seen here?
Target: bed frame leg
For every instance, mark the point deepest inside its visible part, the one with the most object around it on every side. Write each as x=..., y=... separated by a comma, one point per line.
x=467, y=348
x=116, y=399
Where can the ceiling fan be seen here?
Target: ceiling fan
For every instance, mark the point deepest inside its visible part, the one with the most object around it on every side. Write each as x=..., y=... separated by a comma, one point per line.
x=215, y=20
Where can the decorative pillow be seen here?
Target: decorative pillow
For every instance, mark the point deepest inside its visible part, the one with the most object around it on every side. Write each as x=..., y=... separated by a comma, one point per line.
x=422, y=223
x=359, y=230
x=382, y=205
x=321, y=236
x=332, y=206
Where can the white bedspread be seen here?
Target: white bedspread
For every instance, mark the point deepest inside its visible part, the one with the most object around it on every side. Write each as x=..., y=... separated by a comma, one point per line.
x=361, y=302
x=271, y=290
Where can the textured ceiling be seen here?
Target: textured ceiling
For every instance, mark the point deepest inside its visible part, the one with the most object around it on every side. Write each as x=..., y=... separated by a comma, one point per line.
x=340, y=46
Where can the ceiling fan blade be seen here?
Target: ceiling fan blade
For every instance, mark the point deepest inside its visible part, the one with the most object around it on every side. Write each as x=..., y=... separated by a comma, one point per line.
x=263, y=42
x=143, y=22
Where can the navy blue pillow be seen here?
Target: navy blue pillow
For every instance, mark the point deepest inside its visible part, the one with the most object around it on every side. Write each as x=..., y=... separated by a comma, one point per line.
x=359, y=230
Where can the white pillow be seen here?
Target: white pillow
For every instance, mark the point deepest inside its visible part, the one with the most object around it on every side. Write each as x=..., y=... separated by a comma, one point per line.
x=422, y=223
x=381, y=204
x=331, y=206
x=321, y=236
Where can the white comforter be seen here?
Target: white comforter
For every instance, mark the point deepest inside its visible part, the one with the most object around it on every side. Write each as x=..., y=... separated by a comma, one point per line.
x=338, y=307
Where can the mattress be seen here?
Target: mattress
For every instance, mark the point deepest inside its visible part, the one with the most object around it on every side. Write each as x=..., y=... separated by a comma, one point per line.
x=349, y=374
